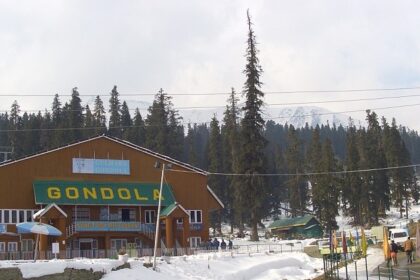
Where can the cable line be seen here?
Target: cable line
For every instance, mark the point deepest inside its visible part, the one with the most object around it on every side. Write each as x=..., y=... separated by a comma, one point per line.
x=138, y=93
x=304, y=173
x=266, y=104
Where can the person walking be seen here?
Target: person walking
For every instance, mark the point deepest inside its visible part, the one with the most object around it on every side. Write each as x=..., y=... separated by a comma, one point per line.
x=394, y=252
x=408, y=248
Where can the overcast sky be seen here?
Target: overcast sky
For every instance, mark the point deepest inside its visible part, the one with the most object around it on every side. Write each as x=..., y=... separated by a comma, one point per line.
x=49, y=47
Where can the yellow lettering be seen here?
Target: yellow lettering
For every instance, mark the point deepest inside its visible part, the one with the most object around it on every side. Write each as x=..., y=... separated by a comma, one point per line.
x=72, y=193
x=138, y=196
x=90, y=192
x=156, y=195
x=53, y=193
x=107, y=193
x=124, y=193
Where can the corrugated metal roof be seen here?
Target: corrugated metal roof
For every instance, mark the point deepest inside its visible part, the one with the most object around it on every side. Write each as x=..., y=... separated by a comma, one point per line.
x=291, y=222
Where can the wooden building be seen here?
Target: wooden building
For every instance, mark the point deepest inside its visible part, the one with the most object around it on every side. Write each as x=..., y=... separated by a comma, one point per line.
x=299, y=227
x=103, y=193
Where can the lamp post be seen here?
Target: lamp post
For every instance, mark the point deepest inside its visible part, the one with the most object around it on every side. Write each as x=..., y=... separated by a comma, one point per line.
x=164, y=166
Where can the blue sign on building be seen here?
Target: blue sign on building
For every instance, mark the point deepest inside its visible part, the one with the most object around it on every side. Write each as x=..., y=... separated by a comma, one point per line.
x=101, y=166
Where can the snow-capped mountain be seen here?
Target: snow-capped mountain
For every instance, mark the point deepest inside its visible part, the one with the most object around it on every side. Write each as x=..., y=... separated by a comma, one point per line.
x=298, y=116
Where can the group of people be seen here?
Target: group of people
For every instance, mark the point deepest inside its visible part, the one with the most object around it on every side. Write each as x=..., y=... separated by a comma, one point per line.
x=214, y=245
x=407, y=247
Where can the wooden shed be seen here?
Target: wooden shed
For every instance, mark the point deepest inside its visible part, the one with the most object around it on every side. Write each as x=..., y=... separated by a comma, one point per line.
x=299, y=227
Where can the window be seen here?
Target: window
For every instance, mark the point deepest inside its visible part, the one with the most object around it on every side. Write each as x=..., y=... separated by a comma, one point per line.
x=27, y=245
x=12, y=246
x=117, y=244
x=150, y=216
x=127, y=214
x=103, y=214
x=195, y=216
x=21, y=216
x=81, y=214
x=179, y=221
x=195, y=241
x=2, y=247
x=14, y=216
x=6, y=216
x=29, y=215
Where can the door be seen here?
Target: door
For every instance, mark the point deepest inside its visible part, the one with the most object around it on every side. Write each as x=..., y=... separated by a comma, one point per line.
x=86, y=247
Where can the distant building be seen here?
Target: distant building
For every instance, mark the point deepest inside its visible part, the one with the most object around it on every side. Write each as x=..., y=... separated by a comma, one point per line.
x=300, y=227
x=102, y=194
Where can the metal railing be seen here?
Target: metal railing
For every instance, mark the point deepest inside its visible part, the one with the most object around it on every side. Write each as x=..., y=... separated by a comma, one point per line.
x=145, y=252
x=390, y=272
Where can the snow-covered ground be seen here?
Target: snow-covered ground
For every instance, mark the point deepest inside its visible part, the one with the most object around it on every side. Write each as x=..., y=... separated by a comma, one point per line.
x=222, y=265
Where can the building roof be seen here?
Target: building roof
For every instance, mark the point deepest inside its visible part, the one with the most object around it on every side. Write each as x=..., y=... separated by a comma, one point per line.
x=169, y=209
x=291, y=222
x=42, y=212
x=187, y=166
x=117, y=140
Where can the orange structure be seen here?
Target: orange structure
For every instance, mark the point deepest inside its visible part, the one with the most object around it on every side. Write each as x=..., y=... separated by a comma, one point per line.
x=102, y=193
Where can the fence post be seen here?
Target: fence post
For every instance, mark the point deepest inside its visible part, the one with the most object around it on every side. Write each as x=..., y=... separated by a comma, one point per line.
x=408, y=273
x=379, y=273
x=392, y=273
x=281, y=248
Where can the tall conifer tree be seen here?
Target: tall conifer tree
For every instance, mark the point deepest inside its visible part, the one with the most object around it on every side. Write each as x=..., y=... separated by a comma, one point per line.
x=76, y=116
x=253, y=142
x=99, y=117
x=115, y=114
x=126, y=121
x=215, y=166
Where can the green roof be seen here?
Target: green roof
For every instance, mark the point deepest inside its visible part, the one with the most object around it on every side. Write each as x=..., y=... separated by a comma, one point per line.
x=291, y=222
x=167, y=210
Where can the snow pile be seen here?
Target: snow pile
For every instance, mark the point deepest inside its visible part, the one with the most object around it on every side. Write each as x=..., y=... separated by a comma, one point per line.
x=224, y=266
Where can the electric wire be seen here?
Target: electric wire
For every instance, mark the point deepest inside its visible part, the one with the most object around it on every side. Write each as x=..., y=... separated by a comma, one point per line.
x=139, y=93
x=266, y=104
x=304, y=173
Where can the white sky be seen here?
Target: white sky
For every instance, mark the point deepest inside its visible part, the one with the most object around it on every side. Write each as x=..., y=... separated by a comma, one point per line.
x=49, y=47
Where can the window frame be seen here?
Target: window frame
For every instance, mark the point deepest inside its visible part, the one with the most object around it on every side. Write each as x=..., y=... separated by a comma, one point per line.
x=151, y=216
x=194, y=216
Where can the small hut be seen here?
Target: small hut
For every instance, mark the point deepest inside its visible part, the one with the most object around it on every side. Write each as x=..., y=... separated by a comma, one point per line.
x=300, y=227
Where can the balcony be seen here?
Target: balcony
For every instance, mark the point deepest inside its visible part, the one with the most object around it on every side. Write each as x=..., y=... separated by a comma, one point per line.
x=109, y=226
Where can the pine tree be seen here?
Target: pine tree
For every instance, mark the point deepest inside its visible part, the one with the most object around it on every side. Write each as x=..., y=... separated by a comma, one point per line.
x=126, y=121
x=46, y=132
x=296, y=185
x=402, y=180
x=99, y=117
x=115, y=114
x=138, y=133
x=215, y=166
x=327, y=192
x=253, y=142
x=230, y=152
x=58, y=135
x=89, y=123
x=164, y=134
x=376, y=181
x=352, y=192
x=76, y=117
x=15, y=124
x=313, y=157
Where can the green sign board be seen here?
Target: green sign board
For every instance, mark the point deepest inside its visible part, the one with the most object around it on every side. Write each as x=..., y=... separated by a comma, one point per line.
x=101, y=193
